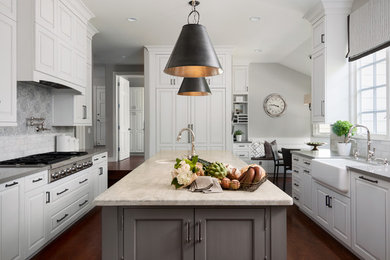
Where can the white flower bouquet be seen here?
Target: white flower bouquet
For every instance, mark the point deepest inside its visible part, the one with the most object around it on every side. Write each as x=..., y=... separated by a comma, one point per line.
x=185, y=172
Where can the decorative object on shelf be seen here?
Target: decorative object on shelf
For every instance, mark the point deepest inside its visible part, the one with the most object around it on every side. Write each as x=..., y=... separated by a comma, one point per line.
x=38, y=123
x=274, y=105
x=238, y=134
x=307, y=100
x=341, y=128
x=194, y=87
x=193, y=55
x=315, y=145
x=239, y=99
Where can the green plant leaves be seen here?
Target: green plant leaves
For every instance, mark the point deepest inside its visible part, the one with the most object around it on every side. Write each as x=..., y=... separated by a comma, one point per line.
x=341, y=128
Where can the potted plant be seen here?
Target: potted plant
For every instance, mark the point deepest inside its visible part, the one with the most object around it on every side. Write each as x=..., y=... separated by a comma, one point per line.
x=341, y=128
x=238, y=135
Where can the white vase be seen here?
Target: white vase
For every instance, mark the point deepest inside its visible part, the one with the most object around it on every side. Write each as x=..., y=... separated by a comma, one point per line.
x=344, y=149
x=238, y=138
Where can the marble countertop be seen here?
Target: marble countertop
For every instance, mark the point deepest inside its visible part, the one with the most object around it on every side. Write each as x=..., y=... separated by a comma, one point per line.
x=320, y=154
x=377, y=171
x=12, y=173
x=149, y=185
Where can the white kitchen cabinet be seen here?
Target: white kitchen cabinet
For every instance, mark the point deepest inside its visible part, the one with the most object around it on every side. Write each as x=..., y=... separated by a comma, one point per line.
x=11, y=219
x=307, y=192
x=56, y=51
x=7, y=69
x=370, y=199
x=333, y=211
x=99, y=174
x=330, y=67
x=167, y=113
x=8, y=8
x=240, y=80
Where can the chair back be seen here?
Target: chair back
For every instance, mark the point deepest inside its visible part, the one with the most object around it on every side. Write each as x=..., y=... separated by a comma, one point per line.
x=287, y=156
x=275, y=155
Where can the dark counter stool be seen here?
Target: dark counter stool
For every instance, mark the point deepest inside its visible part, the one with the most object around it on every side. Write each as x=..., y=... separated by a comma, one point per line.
x=287, y=163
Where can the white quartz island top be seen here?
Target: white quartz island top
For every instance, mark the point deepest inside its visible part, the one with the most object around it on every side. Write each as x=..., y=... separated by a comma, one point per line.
x=149, y=185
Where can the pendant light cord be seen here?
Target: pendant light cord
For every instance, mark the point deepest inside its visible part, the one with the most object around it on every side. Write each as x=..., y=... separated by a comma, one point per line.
x=195, y=13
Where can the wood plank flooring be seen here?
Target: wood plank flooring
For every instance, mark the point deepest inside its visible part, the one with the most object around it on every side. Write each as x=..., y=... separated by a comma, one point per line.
x=305, y=239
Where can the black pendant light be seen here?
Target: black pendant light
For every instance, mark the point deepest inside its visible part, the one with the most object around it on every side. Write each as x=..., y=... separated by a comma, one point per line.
x=193, y=55
x=194, y=87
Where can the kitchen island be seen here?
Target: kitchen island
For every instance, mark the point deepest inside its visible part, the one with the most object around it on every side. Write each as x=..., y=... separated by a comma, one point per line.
x=144, y=217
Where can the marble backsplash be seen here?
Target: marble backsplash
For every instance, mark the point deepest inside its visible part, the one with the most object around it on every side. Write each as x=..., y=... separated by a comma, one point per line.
x=23, y=140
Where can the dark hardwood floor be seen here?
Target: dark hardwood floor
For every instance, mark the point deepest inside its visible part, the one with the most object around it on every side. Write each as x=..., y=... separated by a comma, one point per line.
x=305, y=239
x=118, y=170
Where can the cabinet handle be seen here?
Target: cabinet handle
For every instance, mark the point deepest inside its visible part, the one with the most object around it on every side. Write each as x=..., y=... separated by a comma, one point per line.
x=188, y=237
x=326, y=201
x=82, y=204
x=174, y=81
x=307, y=163
x=323, y=38
x=199, y=224
x=37, y=180
x=322, y=107
x=297, y=185
x=81, y=182
x=47, y=197
x=101, y=170
x=329, y=201
x=306, y=171
x=59, y=193
x=296, y=171
x=296, y=159
x=241, y=146
x=104, y=156
x=12, y=184
x=84, y=112
x=366, y=179
x=296, y=198
x=61, y=219
x=95, y=159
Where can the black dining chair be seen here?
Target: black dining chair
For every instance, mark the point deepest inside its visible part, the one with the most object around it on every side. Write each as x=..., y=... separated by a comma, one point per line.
x=278, y=162
x=287, y=163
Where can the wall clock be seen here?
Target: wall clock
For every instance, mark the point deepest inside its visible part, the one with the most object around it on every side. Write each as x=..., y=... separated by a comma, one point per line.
x=274, y=105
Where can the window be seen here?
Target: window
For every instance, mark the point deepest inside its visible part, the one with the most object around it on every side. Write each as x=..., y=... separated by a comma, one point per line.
x=372, y=89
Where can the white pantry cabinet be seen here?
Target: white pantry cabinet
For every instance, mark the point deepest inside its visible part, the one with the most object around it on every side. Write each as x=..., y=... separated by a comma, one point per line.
x=370, y=199
x=330, y=70
x=52, y=42
x=166, y=113
x=240, y=80
x=11, y=219
x=7, y=63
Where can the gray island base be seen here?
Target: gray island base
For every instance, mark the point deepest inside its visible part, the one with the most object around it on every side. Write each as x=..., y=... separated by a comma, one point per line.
x=144, y=218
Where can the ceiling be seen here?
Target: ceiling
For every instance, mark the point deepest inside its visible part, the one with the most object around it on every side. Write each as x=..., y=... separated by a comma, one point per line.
x=281, y=34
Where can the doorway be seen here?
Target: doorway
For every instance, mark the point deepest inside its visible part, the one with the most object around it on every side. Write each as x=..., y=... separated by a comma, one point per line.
x=100, y=115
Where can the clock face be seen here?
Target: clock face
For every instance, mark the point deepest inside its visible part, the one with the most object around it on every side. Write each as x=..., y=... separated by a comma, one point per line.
x=274, y=105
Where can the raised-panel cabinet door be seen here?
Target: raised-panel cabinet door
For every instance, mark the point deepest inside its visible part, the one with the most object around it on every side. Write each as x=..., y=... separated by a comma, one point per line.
x=35, y=236
x=103, y=178
x=182, y=117
x=65, y=64
x=79, y=69
x=220, y=80
x=46, y=13
x=318, y=87
x=321, y=209
x=370, y=217
x=200, y=118
x=217, y=118
x=165, y=234
x=319, y=35
x=11, y=220
x=8, y=8
x=240, y=79
x=46, y=51
x=341, y=217
x=140, y=141
x=65, y=23
x=80, y=36
x=79, y=109
x=230, y=234
x=164, y=80
x=307, y=193
x=7, y=71
x=166, y=117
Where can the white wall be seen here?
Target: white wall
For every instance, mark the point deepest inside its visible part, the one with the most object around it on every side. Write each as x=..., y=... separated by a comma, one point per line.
x=267, y=78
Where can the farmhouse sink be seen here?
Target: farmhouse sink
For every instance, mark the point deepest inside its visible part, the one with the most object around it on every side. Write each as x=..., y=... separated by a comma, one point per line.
x=333, y=172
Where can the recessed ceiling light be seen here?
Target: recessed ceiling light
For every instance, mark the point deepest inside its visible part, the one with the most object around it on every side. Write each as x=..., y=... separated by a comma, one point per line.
x=124, y=57
x=258, y=50
x=132, y=19
x=254, y=18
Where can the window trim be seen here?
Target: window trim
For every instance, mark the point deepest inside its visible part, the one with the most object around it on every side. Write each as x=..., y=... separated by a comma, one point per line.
x=354, y=96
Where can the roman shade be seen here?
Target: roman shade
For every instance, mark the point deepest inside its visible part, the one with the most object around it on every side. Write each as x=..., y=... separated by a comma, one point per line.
x=369, y=29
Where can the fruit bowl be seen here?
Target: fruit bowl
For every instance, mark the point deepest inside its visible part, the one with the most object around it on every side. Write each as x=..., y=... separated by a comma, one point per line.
x=315, y=145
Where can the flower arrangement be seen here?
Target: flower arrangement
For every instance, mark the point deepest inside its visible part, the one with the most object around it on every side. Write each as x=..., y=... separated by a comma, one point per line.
x=185, y=172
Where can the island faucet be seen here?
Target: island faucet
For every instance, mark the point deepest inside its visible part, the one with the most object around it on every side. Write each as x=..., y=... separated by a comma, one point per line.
x=193, y=153
x=370, y=153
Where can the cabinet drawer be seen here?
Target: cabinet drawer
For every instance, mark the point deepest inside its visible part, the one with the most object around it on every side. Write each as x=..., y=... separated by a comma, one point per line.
x=99, y=158
x=241, y=146
x=306, y=171
x=296, y=160
x=81, y=181
x=62, y=190
x=36, y=180
x=296, y=183
x=306, y=163
x=241, y=154
x=296, y=172
x=296, y=196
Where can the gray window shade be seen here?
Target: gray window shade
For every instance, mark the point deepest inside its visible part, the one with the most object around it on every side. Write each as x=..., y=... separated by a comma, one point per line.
x=369, y=29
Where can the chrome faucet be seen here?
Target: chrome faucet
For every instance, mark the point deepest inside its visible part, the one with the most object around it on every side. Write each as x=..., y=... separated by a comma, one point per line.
x=370, y=153
x=193, y=153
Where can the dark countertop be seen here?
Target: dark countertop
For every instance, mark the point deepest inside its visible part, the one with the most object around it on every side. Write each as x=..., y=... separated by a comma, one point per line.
x=376, y=171
x=13, y=173
x=320, y=154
